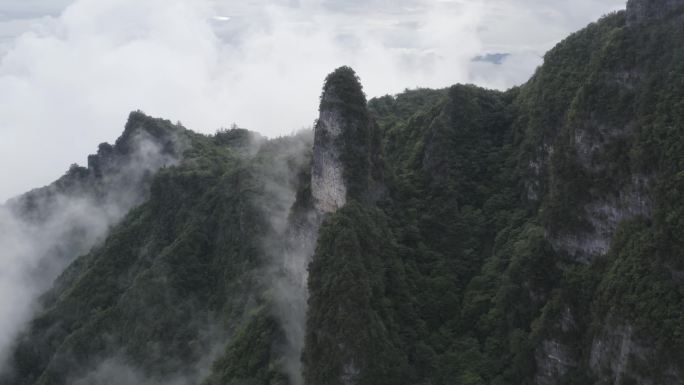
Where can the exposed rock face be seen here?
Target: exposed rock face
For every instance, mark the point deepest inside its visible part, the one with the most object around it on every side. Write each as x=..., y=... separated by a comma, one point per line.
x=611, y=352
x=605, y=215
x=118, y=175
x=623, y=200
x=643, y=11
x=346, y=169
x=327, y=177
x=554, y=359
x=346, y=158
x=617, y=357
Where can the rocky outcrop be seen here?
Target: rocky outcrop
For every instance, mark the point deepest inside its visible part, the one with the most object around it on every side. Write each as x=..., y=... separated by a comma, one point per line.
x=347, y=155
x=611, y=199
x=554, y=356
x=117, y=175
x=619, y=356
x=147, y=144
x=644, y=11
x=554, y=359
x=327, y=177
x=346, y=171
x=605, y=215
x=610, y=352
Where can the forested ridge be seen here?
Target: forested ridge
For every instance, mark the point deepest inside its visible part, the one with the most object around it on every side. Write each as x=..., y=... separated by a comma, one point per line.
x=532, y=236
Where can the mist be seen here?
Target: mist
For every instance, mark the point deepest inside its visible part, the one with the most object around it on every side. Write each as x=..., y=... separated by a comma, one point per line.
x=117, y=369
x=41, y=232
x=70, y=74
x=210, y=64
x=289, y=243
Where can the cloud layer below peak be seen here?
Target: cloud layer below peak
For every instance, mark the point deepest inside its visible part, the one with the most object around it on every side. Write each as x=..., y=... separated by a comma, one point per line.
x=70, y=74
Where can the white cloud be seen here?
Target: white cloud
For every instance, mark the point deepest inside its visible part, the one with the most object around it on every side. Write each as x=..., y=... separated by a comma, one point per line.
x=68, y=82
x=39, y=242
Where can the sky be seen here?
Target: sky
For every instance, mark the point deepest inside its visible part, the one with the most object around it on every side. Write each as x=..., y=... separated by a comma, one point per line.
x=72, y=70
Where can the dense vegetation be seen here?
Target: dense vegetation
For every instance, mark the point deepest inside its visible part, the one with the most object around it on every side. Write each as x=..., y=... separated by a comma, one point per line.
x=466, y=253
x=457, y=276
x=176, y=277
x=360, y=141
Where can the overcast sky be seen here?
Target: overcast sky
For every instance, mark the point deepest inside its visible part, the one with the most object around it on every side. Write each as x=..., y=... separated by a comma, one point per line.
x=70, y=71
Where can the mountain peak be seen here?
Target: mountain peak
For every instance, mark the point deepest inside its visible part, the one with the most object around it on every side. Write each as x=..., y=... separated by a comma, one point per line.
x=346, y=157
x=139, y=123
x=343, y=89
x=143, y=136
x=643, y=11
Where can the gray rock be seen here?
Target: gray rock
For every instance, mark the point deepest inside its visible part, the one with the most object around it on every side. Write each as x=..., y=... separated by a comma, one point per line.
x=605, y=215
x=327, y=175
x=618, y=355
x=553, y=359
x=611, y=352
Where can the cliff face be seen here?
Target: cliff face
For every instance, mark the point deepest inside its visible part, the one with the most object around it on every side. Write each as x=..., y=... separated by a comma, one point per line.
x=117, y=172
x=619, y=355
x=189, y=266
x=54, y=225
x=471, y=236
x=345, y=171
x=580, y=158
x=600, y=181
x=537, y=210
x=347, y=157
x=327, y=175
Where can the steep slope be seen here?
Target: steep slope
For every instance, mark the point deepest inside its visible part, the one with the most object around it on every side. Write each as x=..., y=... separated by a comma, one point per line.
x=609, y=162
x=44, y=230
x=347, y=159
x=386, y=282
x=526, y=234
x=460, y=235
x=179, y=275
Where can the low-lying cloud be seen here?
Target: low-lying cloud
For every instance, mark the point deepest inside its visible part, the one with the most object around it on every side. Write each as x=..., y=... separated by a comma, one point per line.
x=289, y=242
x=42, y=232
x=67, y=82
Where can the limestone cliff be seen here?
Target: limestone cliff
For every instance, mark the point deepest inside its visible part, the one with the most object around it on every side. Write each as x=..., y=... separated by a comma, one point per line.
x=327, y=177
x=532, y=236
x=347, y=161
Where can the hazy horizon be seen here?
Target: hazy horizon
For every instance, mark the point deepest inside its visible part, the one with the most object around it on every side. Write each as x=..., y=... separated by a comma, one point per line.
x=71, y=71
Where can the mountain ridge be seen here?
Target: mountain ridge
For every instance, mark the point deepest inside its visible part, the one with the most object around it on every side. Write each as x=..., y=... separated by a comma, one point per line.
x=531, y=236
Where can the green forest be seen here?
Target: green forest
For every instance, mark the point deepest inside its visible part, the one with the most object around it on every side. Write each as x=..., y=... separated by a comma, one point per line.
x=529, y=236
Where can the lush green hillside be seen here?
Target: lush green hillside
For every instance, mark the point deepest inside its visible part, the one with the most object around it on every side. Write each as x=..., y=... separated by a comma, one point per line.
x=533, y=236
x=530, y=236
x=175, y=278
